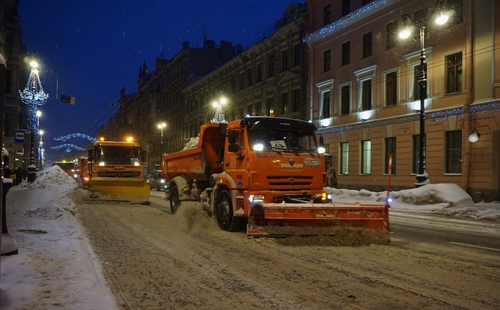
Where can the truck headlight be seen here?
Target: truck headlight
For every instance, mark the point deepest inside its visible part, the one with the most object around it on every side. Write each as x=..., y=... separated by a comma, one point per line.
x=258, y=147
x=256, y=198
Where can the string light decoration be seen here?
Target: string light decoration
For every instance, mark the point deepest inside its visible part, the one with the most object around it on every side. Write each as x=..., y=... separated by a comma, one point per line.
x=33, y=96
x=75, y=135
x=360, y=14
x=69, y=147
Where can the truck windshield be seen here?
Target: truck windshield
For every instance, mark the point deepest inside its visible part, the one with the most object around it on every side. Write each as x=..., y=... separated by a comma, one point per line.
x=281, y=139
x=125, y=155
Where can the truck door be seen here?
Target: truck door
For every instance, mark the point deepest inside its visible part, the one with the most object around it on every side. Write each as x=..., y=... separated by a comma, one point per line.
x=235, y=159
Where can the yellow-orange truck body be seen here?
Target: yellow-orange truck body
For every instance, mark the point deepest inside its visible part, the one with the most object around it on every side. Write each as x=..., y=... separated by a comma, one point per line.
x=116, y=171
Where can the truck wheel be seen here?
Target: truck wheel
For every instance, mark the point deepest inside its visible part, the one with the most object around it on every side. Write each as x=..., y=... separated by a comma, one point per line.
x=224, y=212
x=175, y=202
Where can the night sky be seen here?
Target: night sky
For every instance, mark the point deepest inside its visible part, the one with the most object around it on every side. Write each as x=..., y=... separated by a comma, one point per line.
x=91, y=49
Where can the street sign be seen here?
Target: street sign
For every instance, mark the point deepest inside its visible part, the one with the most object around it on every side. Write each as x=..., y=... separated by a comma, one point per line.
x=68, y=99
x=20, y=134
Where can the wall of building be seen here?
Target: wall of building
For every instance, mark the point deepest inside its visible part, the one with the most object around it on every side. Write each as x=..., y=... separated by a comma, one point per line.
x=475, y=106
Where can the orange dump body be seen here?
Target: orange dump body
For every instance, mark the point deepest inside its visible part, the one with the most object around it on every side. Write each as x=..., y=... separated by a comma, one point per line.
x=199, y=162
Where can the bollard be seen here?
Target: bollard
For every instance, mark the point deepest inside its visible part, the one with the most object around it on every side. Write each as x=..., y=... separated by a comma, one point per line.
x=31, y=173
x=8, y=244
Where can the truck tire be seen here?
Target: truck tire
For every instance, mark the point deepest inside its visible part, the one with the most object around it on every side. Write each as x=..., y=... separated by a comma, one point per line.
x=175, y=202
x=224, y=212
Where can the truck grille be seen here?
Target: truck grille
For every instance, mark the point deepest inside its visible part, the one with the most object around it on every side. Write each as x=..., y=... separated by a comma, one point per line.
x=298, y=180
x=118, y=174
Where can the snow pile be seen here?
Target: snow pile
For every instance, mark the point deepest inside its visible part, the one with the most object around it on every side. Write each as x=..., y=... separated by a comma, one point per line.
x=55, y=266
x=192, y=143
x=445, y=199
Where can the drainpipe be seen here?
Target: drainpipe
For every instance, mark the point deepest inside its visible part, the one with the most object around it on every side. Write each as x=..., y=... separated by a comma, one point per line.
x=469, y=55
x=310, y=65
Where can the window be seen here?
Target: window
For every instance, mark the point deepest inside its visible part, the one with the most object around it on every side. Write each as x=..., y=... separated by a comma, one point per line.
x=250, y=76
x=346, y=7
x=297, y=55
x=366, y=95
x=416, y=83
x=416, y=154
x=270, y=67
x=344, y=158
x=242, y=80
x=326, y=104
x=327, y=15
x=345, y=99
x=390, y=149
x=346, y=53
x=258, y=108
x=8, y=80
x=249, y=109
x=284, y=103
x=454, y=151
x=454, y=73
x=259, y=73
x=366, y=150
x=296, y=100
x=391, y=88
x=391, y=32
x=269, y=106
x=6, y=125
x=233, y=83
x=367, y=44
x=327, y=60
x=284, y=60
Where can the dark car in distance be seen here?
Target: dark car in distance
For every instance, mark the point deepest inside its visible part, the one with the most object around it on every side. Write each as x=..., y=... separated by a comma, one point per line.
x=158, y=181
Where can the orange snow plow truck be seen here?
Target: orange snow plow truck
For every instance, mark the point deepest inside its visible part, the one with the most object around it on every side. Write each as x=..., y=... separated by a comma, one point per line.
x=270, y=173
x=116, y=171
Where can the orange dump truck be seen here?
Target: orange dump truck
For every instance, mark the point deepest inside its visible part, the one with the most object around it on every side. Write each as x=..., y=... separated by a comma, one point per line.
x=268, y=172
x=116, y=171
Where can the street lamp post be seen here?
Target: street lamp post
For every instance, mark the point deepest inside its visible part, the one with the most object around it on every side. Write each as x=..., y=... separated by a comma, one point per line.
x=33, y=96
x=161, y=126
x=219, y=115
x=40, y=148
x=422, y=176
x=37, y=147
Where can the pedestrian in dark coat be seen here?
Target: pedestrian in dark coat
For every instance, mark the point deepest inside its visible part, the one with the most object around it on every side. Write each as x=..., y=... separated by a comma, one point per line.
x=19, y=175
x=6, y=172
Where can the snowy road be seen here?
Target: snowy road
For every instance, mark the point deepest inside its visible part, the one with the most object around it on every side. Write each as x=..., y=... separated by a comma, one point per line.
x=155, y=260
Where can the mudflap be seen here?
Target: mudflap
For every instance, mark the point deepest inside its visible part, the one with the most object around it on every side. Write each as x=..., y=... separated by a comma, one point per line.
x=366, y=222
x=135, y=190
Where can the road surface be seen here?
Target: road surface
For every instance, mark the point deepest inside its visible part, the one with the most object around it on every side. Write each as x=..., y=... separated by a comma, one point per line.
x=155, y=260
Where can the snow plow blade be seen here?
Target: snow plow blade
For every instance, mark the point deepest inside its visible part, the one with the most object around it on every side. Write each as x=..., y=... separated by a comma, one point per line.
x=366, y=221
x=135, y=190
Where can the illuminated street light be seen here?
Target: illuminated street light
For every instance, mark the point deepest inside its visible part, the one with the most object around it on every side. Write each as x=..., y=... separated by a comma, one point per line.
x=161, y=126
x=408, y=25
x=219, y=115
x=33, y=96
x=41, y=150
x=38, y=155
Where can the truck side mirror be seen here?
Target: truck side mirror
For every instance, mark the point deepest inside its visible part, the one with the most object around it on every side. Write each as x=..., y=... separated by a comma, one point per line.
x=232, y=137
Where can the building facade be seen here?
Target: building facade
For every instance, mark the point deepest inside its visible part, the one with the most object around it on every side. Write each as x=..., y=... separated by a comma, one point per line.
x=13, y=80
x=159, y=99
x=265, y=79
x=364, y=92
